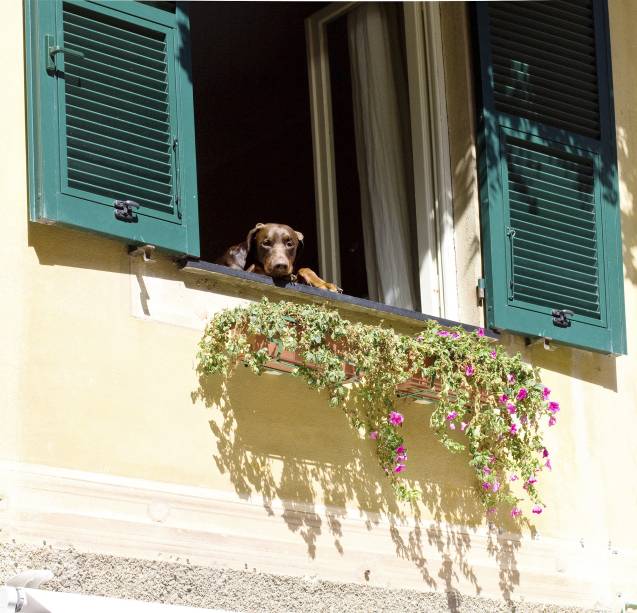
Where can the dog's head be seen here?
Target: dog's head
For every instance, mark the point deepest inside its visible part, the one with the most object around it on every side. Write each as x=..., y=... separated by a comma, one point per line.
x=274, y=246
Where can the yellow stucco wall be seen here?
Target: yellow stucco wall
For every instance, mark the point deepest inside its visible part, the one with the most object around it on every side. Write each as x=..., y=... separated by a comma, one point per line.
x=86, y=384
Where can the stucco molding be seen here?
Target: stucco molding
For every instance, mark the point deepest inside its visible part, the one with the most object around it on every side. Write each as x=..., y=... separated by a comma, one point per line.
x=120, y=516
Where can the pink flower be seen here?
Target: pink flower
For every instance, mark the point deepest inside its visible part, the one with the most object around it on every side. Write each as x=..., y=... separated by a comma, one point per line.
x=463, y=425
x=395, y=418
x=399, y=468
x=513, y=478
x=503, y=398
x=373, y=435
x=455, y=336
x=491, y=459
x=552, y=420
x=515, y=512
x=443, y=333
x=420, y=338
x=400, y=449
x=486, y=470
x=522, y=393
x=491, y=511
x=513, y=429
x=480, y=332
x=554, y=407
x=452, y=426
x=531, y=481
x=546, y=392
x=496, y=486
x=545, y=453
x=537, y=509
x=510, y=378
x=511, y=408
x=452, y=415
x=469, y=370
x=401, y=458
x=494, y=354
x=486, y=485
x=548, y=464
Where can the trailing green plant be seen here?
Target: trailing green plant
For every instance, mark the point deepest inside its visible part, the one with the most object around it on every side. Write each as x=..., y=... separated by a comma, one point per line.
x=489, y=403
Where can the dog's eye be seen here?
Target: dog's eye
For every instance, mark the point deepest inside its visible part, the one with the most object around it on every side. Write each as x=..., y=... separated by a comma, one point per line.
x=266, y=243
x=289, y=244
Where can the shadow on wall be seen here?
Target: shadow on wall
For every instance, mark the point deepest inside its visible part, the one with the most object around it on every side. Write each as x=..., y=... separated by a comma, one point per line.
x=306, y=455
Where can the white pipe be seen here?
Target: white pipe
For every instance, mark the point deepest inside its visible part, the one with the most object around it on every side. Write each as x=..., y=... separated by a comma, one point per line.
x=43, y=601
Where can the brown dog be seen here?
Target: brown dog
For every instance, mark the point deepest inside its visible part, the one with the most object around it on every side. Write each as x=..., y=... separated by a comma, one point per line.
x=270, y=249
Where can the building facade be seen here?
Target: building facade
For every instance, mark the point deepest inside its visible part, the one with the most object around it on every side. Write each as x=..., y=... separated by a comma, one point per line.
x=117, y=455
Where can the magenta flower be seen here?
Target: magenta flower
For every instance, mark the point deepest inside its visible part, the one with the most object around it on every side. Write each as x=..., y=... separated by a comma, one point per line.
x=486, y=485
x=554, y=407
x=452, y=426
x=545, y=453
x=513, y=478
x=373, y=435
x=469, y=370
x=494, y=354
x=531, y=481
x=443, y=333
x=395, y=418
x=455, y=336
x=511, y=408
x=548, y=464
x=496, y=486
x=486, y=470
x=513, y=429
x=515, y=512
x=552, y=420
x=537, y=509
x=480, y=332
x=503, y=399
x=401, y=458
x=510, y=378
x=399, y=468
x=463, y=425
x=400, y=449
x=522, y=393
x=452, y=415
x=546, y=392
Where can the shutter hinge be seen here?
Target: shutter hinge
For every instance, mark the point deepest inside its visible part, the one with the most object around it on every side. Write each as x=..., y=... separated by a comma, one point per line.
x=177, y=198
x=511, y=235
x=560, y=318
x=480, y=287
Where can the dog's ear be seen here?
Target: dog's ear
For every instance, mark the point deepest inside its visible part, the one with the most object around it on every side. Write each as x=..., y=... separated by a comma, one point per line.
x=252, y=233
x=299, y=236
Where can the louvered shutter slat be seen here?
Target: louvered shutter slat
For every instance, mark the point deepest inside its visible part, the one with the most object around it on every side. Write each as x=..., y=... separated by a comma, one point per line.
x=548, y=186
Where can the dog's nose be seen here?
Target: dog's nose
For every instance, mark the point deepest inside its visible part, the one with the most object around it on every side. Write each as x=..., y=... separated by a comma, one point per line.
x=280, y=268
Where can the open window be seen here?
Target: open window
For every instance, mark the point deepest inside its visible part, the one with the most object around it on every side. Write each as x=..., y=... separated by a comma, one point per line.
x=312, y=124
x=332, y=118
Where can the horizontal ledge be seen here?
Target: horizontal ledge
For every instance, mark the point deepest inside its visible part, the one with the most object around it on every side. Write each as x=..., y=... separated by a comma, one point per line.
x=374, y=308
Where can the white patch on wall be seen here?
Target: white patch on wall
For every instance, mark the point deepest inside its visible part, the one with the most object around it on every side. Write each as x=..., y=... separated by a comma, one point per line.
x=160, y=292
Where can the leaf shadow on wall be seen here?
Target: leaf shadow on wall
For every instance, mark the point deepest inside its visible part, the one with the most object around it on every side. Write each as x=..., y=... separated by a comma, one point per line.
x=280, y=442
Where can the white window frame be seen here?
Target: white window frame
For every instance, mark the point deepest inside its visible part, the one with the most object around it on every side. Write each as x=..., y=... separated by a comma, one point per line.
x=430, y=144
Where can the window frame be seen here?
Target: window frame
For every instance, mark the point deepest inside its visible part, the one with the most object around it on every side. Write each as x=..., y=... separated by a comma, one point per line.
x=435, y=233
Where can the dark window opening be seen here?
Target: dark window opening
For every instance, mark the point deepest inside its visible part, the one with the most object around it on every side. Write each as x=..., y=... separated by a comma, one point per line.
x=252, y=122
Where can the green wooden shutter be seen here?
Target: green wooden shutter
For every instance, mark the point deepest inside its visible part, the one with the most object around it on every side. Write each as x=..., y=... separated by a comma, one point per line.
x=548, y=172
x=111, y=118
